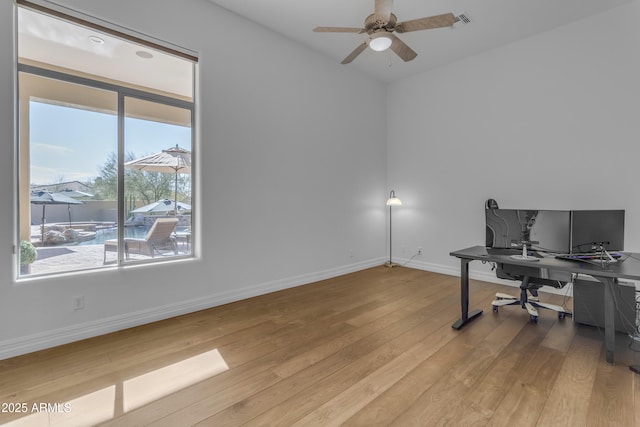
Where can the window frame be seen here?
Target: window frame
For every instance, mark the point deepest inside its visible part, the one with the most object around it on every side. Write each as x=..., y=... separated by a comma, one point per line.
x=122, y=92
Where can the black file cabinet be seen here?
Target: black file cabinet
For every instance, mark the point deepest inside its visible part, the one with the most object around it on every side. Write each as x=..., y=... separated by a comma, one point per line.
x=588, y=295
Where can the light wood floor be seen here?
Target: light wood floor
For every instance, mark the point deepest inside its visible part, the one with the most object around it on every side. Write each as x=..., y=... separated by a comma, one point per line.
x=370, y=348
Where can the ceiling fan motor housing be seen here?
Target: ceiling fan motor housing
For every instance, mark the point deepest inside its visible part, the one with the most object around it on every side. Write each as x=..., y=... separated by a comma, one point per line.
x=373, y=25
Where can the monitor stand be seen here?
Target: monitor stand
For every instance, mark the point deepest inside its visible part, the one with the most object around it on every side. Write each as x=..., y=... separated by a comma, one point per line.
x=525, y=256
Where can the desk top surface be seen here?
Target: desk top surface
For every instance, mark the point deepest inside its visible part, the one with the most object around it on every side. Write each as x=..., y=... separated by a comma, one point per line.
x=627, y=267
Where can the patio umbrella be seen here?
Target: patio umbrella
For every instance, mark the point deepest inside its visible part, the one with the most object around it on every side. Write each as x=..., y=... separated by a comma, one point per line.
x=173, y=160
x=76, y=194
x=45, y=198
x=164, y=205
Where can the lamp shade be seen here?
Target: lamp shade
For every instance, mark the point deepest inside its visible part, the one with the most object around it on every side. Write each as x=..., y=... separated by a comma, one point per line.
x=393, y=200
x=379, y=41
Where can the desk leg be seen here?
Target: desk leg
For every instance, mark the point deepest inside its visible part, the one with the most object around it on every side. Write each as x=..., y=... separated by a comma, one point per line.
x=609, y=318
x=464, y=297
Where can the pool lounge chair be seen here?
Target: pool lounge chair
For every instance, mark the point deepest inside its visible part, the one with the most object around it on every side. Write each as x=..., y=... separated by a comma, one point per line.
x=159, y=239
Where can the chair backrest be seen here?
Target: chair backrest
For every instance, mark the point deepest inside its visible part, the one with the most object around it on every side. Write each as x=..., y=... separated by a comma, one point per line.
x=161, y=229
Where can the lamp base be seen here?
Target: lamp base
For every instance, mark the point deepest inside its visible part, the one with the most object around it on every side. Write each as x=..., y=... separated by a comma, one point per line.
x=390, y=264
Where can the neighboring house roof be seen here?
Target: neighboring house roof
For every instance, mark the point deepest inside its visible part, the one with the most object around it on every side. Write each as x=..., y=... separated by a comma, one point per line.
x=68, y=185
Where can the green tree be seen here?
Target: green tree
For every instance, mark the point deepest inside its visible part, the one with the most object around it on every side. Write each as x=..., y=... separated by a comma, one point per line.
x=149, y=186
x=106, y=184
x=144, y=186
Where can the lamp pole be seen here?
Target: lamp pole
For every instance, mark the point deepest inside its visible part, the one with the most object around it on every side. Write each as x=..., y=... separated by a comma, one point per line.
x=390, y=240
x=392, y=201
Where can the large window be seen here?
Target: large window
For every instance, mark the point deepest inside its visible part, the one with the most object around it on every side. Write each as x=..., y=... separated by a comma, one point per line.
x=105, y=146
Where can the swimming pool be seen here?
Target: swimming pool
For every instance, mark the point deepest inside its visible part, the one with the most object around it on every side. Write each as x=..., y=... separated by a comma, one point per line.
x=112, y=233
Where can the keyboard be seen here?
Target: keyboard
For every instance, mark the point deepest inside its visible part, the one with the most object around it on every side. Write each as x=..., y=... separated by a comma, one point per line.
x=589, y=256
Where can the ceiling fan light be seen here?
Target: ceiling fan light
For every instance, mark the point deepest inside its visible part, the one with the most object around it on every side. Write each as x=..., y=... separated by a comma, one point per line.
x=379, y=42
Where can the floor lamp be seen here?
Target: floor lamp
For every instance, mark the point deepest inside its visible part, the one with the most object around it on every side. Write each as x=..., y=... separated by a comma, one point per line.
x=392, y=201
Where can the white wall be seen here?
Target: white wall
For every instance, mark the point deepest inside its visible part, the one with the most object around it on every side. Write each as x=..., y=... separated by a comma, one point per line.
x=292, y=154
x=549, y=122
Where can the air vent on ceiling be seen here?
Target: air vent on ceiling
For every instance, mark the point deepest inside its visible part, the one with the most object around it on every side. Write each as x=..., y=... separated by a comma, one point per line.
x=464, y=18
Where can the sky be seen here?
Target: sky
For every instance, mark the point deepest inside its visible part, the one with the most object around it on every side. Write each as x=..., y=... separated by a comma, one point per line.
x=69, y=144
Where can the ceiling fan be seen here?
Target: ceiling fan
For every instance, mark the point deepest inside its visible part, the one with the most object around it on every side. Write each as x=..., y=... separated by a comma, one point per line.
x=380, y=27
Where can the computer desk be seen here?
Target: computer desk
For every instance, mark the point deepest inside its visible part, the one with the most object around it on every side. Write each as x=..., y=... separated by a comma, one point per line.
x=627, y=267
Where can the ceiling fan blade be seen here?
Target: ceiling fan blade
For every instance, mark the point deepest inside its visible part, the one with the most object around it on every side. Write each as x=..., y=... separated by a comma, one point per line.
x=339, y=30
x=383, y=10
x=357, y=51
x=401, y=49
x=439, y=21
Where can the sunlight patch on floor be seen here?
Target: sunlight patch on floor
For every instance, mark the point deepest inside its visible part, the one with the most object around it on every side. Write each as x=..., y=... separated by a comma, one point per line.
x=100, y=405
x=153, y=385
x=87, y=410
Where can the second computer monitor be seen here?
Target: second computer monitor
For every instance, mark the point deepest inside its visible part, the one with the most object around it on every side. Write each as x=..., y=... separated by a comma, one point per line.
x=593, y=229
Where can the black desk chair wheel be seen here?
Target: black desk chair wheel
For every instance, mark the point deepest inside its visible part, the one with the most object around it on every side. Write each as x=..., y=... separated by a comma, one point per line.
x=530, y=303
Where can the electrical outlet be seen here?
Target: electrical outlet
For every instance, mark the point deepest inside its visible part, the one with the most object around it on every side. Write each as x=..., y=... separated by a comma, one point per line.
x=350, y=253
x=420, y=250
x=78, y=302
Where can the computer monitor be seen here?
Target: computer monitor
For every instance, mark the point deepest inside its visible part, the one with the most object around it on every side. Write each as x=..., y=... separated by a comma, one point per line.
x=507, y=228
x=592, y=229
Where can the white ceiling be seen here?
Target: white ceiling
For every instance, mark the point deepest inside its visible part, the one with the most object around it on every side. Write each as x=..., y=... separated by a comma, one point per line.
x=494, y=23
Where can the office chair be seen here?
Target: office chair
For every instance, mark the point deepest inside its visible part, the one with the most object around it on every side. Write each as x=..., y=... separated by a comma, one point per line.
x=529, y=285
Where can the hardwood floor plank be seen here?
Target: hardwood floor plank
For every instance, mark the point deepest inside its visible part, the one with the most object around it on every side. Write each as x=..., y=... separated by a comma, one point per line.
x=611, y=402
x=524, y=398
x=324, y=350
x=199, y=393
x=442, y=401
x=508, y=367
x=370, y=348
x=528, y=391
x=568, y=401
x=451, y=346
x=340, y=408
x=395, y=400
x=314, y=385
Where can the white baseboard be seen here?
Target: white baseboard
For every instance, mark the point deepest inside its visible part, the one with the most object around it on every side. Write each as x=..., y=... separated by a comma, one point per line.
x=52, y=338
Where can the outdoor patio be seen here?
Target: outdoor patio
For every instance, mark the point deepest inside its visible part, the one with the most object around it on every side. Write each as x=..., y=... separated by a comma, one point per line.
x=55, y=259
x=63, y=258
x=59, y=259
